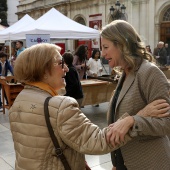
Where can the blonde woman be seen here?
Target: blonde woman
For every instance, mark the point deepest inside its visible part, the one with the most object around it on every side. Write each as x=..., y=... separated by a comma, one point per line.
x=141, y=83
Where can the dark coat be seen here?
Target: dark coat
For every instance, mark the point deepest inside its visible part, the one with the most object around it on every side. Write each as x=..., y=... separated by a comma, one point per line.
x=73, y=84
x=161, y=52
x=7, y=67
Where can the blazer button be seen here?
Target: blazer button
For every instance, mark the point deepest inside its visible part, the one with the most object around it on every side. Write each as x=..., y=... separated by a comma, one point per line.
x=136, y=127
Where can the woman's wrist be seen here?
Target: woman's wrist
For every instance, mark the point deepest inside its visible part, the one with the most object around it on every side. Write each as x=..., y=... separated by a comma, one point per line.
x=130, y=121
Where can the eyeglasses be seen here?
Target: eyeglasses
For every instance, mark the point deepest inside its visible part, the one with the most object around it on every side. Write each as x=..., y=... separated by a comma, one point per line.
x=62, y=63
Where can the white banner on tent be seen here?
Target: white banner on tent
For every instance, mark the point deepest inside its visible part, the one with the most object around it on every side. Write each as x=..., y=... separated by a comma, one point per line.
x=32, y=39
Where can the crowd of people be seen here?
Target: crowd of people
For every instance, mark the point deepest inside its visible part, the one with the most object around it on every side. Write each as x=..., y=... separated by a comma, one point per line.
x=161, y=53
x=7, y=65
x=138, y=113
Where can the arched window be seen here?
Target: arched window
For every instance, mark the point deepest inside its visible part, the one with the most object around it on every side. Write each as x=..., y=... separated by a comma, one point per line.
x=166, y=16
x=80, y=20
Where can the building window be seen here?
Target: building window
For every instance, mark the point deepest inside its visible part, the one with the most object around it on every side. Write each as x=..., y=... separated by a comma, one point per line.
x=166, y=16
x=167, y=30
x=80, y=21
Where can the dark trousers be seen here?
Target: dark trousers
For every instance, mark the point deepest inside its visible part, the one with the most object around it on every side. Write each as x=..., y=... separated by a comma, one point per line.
x=4, y=96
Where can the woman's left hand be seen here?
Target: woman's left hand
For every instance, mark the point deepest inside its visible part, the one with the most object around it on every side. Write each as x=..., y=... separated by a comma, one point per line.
x=118, y=130
x=158, y=108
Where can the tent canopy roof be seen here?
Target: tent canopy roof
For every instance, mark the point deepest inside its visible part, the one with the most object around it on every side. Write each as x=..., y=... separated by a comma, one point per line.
x=58, y=26
x=22, y=23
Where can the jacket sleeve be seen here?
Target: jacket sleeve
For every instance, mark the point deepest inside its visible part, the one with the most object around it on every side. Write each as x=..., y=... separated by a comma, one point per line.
x=100, y=65
x=89, y=64
x=78, y=132
x=10, y=68
x=155, y=86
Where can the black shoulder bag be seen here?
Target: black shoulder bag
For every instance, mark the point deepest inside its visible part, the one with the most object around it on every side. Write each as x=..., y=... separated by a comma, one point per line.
x=58, y=150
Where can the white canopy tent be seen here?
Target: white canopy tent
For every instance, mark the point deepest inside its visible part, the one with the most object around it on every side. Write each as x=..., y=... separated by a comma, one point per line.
x=22, y=23
x=25, y=21
x=58, y=26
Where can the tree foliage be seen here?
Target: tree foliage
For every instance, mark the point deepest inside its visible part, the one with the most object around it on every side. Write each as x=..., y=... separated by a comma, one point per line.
x=3, y=12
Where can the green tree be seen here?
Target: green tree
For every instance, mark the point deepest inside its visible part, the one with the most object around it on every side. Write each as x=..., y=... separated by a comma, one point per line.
x=3, y=12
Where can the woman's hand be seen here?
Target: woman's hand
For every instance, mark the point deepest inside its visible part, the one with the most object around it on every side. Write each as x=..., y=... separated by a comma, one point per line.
x=158, y=108
x=118, y=130
x=83, y=65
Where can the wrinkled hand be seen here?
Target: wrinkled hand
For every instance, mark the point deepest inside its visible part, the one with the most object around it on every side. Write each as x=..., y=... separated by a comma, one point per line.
x=158, y=108
x=118, y=130
x=83, y=65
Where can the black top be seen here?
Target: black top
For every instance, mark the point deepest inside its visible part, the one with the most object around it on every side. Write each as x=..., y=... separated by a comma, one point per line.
x=73, y=84
x=167, y=51
x=116, y=156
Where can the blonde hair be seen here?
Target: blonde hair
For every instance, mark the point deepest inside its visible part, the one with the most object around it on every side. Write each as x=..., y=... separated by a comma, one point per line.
x=31, y=64
x=125, y=37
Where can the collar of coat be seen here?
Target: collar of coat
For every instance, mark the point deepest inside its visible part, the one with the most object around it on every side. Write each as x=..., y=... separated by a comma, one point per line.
x=44, y=87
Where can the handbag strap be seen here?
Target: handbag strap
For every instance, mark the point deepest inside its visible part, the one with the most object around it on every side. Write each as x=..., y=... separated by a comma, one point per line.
x=58, y=150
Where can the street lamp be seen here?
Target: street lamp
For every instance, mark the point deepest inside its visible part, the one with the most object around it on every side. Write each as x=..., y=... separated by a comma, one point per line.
x=118, y=12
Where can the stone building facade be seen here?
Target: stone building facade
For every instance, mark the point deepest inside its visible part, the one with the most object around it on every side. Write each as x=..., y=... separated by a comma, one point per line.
x=12, y=9
x=151, y=18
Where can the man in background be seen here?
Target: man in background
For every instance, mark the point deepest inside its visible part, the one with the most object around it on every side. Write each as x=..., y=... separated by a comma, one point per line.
x=19, y=47
x=160, y=54
x=4, y=68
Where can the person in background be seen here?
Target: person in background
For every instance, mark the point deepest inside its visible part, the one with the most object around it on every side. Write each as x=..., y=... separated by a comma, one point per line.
x=1, y=47
x=141, y=83
x=148, y=48
x=79, y=61
x=19, y=47
x=160, y=54
x=73, y=85
x=5, y=67
x=94, y=64
x=167, y=53
x=42, y=70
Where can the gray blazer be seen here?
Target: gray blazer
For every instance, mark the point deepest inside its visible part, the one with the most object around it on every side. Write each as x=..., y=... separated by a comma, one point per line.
x=150, y=147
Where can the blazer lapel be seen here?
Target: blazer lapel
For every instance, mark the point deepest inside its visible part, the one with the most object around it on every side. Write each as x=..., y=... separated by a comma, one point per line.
x=111, y=110
x=126, y=85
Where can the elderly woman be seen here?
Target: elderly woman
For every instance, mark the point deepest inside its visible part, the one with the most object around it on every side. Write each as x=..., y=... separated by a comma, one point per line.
x=141, y=83
x=42, y=70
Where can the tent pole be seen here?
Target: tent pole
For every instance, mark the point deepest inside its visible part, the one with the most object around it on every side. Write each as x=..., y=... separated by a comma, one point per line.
x=10, y=48
x=66, y=45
